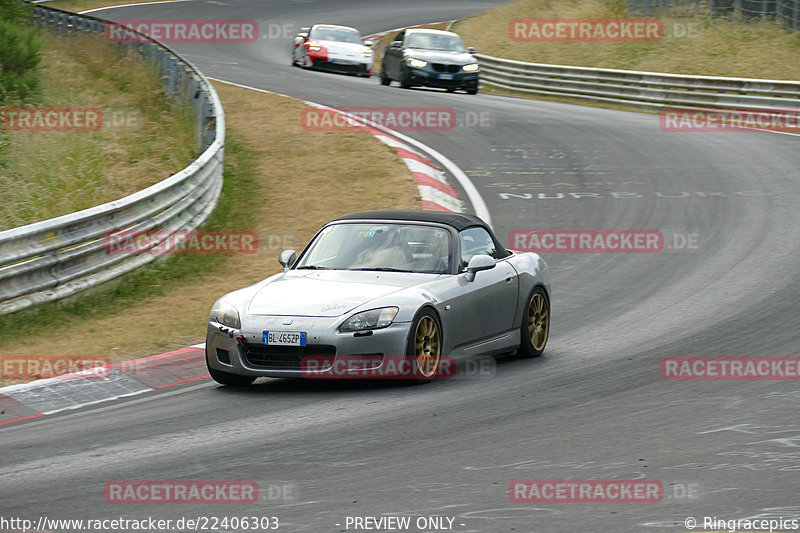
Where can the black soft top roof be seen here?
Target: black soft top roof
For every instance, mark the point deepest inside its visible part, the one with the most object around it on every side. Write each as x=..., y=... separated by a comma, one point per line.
x=457, y=221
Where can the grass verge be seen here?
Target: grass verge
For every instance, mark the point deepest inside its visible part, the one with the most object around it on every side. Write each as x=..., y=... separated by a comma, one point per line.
x=281, y=181
x=143, y=138
x=712, y=46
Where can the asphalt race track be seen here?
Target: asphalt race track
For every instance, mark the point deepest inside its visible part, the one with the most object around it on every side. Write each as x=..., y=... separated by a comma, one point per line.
x=593, y=407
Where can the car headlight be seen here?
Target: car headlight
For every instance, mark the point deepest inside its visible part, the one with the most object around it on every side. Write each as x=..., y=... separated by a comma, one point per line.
x=372, y=319
x=227, y=315
x=416, y=63
x=367, y=53
x=313, y=46
x=472, y=67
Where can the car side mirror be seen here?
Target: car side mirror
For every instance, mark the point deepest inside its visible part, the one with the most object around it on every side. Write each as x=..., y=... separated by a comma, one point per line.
x=287, y=258
x=472, y=50
x=303, y=34
x=369, y=42
x=396, y=44
x=477, y=263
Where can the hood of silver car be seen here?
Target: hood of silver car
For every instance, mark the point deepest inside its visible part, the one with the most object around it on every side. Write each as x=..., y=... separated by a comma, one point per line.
x=327, y=293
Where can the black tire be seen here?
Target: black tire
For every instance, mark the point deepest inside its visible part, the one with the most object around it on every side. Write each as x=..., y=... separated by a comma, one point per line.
x=404, y=82
x=424, y=345
x=451, y=89
x=535, y=327
x=472, y=91
x=385, y=80
x=232, y=380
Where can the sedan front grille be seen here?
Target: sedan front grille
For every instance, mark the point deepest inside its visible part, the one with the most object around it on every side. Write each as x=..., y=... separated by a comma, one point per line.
x=441, y=67
x=285, y=357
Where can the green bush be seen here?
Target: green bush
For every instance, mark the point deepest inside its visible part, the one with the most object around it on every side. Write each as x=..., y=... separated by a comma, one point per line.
x=20, y=55
x=15, y=10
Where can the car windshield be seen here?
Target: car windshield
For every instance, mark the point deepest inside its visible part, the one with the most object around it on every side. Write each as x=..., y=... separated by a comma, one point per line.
x=435, y=41
x=335, y=34
x=391, y=247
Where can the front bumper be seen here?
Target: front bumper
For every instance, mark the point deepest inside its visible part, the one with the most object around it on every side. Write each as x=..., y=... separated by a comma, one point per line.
x=429, y=77
x=351, y=64
x=242, y=352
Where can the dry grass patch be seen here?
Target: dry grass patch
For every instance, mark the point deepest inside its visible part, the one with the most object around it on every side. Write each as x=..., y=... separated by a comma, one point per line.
x=721, y=48
x=300, y=180
x=143, y=139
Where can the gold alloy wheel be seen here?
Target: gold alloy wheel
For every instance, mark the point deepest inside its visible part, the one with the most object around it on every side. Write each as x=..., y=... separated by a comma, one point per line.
x=427, y=346
x=538, y=321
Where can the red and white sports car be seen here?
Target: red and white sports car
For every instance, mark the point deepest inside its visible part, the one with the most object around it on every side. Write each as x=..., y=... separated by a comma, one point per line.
x=330, y=47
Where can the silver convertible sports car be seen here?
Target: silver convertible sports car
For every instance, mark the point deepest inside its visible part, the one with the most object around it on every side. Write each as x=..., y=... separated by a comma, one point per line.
x=418, y=287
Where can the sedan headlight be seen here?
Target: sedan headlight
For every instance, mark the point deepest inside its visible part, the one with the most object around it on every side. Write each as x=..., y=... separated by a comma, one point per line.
x=313, y=46
x=227, y=315
x=372, y=319
x=472, y=67
x=416, y=63
x=367, y=53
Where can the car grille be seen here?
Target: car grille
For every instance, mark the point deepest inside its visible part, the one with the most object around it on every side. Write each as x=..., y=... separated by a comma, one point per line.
x=284, y=357
x=441, y=67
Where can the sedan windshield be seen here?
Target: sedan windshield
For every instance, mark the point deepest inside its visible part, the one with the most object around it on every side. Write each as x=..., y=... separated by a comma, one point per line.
x=435, y=41
x=335, y=34
x=380, y=247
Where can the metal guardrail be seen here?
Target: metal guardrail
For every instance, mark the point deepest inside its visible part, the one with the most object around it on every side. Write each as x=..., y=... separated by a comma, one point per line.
x=55, y=258
x=644, y=90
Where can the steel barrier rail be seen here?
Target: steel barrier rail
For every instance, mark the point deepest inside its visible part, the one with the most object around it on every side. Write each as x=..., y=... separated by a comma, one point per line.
x=644, y=90
x=55, y=258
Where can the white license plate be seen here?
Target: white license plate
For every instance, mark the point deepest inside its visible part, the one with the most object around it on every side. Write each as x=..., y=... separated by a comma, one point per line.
x=284, y=338
x=445, y=76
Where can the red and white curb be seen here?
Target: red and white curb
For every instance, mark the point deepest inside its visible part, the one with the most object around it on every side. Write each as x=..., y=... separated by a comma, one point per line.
x=435, y=193
x=128, y=378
